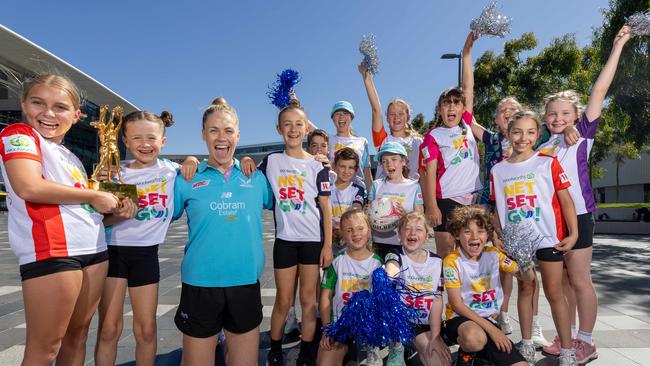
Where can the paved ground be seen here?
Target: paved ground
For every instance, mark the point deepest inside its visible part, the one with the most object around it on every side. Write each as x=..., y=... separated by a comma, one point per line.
x=621, y=272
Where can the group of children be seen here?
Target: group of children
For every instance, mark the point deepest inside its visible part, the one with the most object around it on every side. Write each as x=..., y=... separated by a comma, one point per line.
x=319, y=195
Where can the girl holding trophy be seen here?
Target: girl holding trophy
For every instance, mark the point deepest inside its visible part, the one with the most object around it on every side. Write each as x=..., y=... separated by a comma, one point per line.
x=55, y=223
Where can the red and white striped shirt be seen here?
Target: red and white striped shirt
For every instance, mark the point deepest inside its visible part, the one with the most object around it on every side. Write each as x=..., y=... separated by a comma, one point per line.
x=40, y=231
x=527, y=190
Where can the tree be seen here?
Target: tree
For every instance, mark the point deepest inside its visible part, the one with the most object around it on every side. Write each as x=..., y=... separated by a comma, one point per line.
x=418, y=122
x=629, y=95
x=561, y=65
x=421, y=125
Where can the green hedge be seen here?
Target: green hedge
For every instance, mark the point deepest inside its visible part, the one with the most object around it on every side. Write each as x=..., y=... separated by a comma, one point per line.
x=624, y=205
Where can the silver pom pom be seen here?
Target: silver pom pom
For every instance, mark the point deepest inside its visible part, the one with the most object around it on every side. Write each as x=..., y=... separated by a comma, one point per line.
x=369, y=51
x=520, y=240
x=491, y=23
x=639, y=23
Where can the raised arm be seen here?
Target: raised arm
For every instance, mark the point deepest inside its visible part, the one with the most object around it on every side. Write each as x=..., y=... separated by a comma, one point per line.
x=477, y=130
x=599, y=91
x=468, y=72
x=373, y=98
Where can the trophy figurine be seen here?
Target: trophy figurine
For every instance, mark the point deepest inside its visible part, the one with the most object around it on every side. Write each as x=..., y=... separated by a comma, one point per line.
x=109, y=154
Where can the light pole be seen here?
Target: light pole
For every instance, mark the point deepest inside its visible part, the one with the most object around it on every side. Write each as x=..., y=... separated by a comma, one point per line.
x=450, y=56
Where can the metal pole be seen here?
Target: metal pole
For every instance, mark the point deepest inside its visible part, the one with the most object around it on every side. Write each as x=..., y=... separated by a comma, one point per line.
x=460, y=58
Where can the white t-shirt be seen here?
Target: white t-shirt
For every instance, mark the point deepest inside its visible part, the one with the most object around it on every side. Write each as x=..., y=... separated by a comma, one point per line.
x=412, y=146
x=359, y=145
x=346, y=276
x=479, y=283
x=155, y=205
x=342, y=200
x=575, y=162
x=296, y=184
x=41, y=231
x=407, y=193
x=527, y=190
x=425, y=277
x=456, y=152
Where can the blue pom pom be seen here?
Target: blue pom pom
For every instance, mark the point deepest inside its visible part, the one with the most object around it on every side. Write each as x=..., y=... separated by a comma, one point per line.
x=379, y=317
x=279, y=92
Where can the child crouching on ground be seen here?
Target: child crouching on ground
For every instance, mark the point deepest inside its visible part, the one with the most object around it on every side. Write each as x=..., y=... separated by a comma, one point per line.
x=471, y=274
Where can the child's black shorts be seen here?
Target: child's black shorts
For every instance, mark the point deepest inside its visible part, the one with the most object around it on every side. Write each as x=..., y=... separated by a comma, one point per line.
x=60, y=264
x=287, y=254
x=446, y=206
x=490, y=352
x=138, y=265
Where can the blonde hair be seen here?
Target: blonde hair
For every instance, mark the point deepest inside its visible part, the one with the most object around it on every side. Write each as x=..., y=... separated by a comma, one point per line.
x=412, y=216
x=511, y=100
x=402, y=103
x=219, y=104
x=347, y=216
x=55, y=81
x=570, y=96
x=525, y=114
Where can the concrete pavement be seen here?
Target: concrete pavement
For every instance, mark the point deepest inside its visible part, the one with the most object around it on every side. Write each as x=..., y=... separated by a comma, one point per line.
x=621, y=271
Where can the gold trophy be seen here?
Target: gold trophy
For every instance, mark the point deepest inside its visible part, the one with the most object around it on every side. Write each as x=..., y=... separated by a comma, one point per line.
x=109, y=153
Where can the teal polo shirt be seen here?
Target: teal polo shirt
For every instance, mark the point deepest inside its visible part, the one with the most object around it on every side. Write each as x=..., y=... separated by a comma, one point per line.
x=224, y=219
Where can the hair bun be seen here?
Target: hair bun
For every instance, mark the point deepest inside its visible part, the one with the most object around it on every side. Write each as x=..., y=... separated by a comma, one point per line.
x=294, y=102
x=220, y=101
x=167, y=118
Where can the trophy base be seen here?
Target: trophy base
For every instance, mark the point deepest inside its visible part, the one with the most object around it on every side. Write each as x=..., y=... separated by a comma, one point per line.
x=120, y=190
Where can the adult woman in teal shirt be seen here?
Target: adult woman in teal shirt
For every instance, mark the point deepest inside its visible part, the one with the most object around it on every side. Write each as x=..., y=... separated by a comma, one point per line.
x=224, y=256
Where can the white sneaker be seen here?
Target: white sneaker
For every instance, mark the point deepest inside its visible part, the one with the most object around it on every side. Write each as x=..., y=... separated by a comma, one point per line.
x=528, y=351
x=538, y=337
x=568, y=358
x=504, y=322
x=292, y=322
x=373, y=358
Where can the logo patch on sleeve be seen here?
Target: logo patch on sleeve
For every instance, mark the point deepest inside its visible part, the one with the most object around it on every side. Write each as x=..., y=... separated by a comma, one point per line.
x=202, y=183
x=450, y=275
x=325, y=186
x=564, y=178
x=19, y=144
x=425, y=153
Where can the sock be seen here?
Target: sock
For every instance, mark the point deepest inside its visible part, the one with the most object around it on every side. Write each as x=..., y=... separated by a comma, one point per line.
x=527, y=342
x=276, y=345
x=504, y=314
x=535, y=321
x=564, y=351
x=305, y=348
x=574, y=332
x=585, y=337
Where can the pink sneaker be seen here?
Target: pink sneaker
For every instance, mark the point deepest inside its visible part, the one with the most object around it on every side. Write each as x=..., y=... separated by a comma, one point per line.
x=554, y=348
x=584, y=352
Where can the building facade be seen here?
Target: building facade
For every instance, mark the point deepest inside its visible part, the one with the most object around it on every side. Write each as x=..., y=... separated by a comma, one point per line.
x=20, y=59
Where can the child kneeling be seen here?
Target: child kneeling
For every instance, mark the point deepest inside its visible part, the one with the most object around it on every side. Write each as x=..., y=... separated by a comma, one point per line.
x=350, y=272
x=422, y=271
x=471, y=275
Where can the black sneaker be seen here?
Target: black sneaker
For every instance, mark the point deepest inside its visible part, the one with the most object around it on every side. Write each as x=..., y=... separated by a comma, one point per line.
x=304, y=361
x=274, y=358
x=465, y=358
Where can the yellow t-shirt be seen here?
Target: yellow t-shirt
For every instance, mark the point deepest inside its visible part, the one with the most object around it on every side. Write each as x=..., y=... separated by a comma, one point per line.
x=479, y=284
